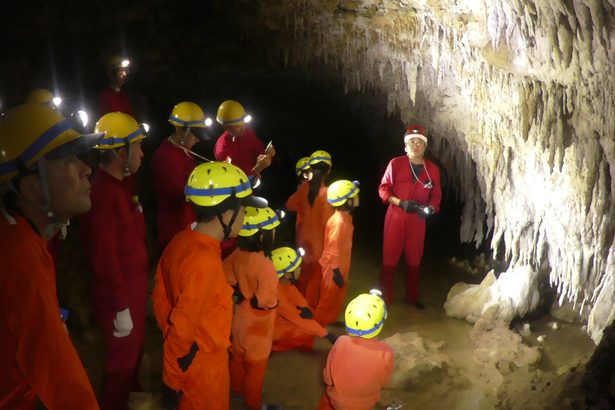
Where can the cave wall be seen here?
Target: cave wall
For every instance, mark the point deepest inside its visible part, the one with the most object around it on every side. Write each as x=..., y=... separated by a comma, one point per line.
x=519, y=99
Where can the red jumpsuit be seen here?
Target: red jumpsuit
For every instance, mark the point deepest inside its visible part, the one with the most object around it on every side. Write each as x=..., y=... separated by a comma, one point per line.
x=171, y=167
x=193, y=303
x=252, y=328
x=291, y=331
x=355, y=372
x=336, y=254
x=112, y=101
x=37, y=357
x=310, y=236
x=405, y=232
x=113, y=236
x=243, y=151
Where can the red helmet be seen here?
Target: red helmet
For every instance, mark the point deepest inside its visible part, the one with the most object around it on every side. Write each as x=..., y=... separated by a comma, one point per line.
x=416, y=130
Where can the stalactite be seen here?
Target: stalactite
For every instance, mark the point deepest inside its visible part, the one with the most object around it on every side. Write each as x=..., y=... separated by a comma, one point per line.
x=522, y=93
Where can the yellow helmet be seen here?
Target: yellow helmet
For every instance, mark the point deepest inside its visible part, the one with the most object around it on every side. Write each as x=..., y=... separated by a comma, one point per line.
x=285, y=260
x=117, y=62
x=30, y=132
x=213, y=182
x=302, y=165
x=340, y=191
x=231, y=112
x=120, y=129
x=187, y=114
x=321, y=156
x=365, y=315
x=257, y=219
x=40, y=96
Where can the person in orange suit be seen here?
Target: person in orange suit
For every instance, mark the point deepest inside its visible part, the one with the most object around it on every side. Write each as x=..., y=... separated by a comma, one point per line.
x=294, y=326
x=313, y=212
x=411, y=187
x=172, y=163
x=348, y=384
x=192, y=300
x=113, y=237
x=335, y=260
x=44, y=184
x=250, y=270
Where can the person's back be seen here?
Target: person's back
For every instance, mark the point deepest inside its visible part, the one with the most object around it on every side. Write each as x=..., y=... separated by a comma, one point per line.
x=358, y=365
x=192, y=300
x=349, y=385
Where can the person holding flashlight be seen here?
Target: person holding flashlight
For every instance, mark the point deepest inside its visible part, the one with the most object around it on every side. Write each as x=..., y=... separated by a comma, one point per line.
x=239, y=144
x=411, y=187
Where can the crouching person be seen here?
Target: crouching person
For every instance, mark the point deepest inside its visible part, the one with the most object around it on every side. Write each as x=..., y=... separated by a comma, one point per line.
x=348, y=383
x=295, y=327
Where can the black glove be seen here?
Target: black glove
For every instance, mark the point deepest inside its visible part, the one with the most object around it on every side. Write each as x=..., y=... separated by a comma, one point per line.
x=170, y=398
x=331, y=337
x=338, y=279
x=425, y=211
x=185, y=362
x=408, y=206
x=306, y=313
x=254, y=302
x=237, y=294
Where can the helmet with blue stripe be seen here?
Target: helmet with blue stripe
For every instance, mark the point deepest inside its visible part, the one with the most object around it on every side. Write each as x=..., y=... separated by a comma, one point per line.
x=212, y=183
x=365, y=315
x=30, y=132
x=341, y=191
x=259, y=218
x=321, y=156
x=302, y=165
x=286, y=260
x=188, y=114
x=120, y=129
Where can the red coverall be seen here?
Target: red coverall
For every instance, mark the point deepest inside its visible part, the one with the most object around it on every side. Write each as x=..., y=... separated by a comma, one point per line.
x=355, y=372
x=194, y=303
x=37, y=357
x=336, y=254
x=252, y=328
x=405, y=232
x=113, y=236
x=171, y=167
x=291, y=331
x=243, y=151
x=310, y=236
x=112, y=101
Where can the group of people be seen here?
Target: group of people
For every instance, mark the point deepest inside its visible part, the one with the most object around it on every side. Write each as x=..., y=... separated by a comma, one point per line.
x=217, y=241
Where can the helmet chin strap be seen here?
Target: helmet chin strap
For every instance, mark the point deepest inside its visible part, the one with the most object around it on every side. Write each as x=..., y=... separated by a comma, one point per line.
x=53, y=224
x=226, y=228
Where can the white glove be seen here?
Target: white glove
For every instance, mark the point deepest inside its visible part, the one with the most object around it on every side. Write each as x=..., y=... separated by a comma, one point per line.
x=122, y=323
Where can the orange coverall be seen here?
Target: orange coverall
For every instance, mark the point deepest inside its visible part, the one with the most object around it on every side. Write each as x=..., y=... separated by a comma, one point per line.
x=349, y=386
x=193, y=303
x=37, y=358
x=311, y=222
x=336, y=254
x=252, y=328
x=291, y=331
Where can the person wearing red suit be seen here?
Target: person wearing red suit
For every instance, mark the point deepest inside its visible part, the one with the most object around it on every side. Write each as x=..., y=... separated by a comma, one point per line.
x=172, y=163
x=411, y=187
x=38, y=361
x=114, y=97
x=113, y=236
